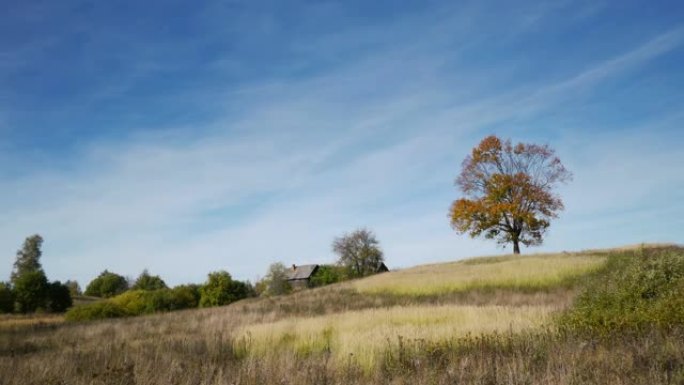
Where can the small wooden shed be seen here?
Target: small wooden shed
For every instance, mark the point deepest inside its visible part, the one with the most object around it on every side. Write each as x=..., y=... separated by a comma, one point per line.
x=299, y=276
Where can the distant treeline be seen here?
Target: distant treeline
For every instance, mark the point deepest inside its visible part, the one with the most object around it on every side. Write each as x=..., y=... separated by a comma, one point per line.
x=112, y=295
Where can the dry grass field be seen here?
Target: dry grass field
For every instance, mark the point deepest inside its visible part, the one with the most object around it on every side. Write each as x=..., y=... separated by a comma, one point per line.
x=10, y=322
x=529, y=272
x=365, y=335
x=388, y=329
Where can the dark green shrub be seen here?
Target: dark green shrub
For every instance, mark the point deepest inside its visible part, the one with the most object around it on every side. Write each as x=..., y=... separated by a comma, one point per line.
x=148, y=282
x=59, y=297
x=106, y=285
x=635, y=291
x=95, y=311
x=31, y=291
x=185, y=296
x=220, y=289
x=6, y=298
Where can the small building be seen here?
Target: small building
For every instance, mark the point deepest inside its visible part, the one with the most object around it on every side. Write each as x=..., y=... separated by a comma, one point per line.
x=382, y=268
x=299, y=276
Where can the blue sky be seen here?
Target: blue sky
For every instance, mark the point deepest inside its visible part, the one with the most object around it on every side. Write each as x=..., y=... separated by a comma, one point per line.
x=186, y=138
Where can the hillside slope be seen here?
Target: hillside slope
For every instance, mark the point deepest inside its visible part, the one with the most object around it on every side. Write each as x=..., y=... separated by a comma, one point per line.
x=483, y=320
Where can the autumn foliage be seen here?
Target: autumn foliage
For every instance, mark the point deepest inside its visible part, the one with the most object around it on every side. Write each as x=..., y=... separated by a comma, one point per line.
x=508, y=192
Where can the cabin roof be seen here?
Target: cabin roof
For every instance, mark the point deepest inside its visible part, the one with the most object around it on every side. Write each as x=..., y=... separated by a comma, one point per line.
x=301, y=272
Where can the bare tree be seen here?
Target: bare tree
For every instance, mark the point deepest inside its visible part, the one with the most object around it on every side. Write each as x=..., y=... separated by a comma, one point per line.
x=359, y=252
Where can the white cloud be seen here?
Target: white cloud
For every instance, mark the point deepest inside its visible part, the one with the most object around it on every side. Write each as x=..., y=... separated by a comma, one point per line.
x=369, y=143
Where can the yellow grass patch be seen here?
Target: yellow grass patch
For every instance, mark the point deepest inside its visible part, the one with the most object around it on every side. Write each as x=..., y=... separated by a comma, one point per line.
x=363, y=335
x=10, y=321
x=533, y=272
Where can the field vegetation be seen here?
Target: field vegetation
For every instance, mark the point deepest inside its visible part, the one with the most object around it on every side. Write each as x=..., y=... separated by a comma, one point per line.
x=363, y=336
x=523, y=273
x=559, y=332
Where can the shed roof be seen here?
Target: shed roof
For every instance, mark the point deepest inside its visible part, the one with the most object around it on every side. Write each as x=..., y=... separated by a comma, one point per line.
x=301, y=272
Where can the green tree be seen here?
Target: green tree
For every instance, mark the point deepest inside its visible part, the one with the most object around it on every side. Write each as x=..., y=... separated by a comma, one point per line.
x=30, y=285
x=106, y=285
x=275, y=282
x=59, y=297
x=148, y=282
x=31, y=291
x=186, y=296
x=28, y=258
x=220, y=289
x=6, y=298
x=327, y=275
x=359, y=252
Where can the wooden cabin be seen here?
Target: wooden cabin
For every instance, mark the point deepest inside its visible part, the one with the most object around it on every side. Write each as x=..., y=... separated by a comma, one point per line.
x=299, y=276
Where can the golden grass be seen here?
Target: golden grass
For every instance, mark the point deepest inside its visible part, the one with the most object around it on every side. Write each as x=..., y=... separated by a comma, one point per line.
x=309, y=338
x=10, y=321
x=364, y=335
x=529, y=272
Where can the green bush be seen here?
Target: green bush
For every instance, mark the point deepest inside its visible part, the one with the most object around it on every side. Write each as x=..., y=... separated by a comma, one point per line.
x=6, y=298
x=59, y=297
x=326, y=275
x=220, y=289
x=106, y=285
x=95, y=311
x=148, y=282
x=185, y=296
x=635, y=291
x=133, y=301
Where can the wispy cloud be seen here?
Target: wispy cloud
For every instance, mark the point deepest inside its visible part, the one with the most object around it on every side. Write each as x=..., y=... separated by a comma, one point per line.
x=291, y=160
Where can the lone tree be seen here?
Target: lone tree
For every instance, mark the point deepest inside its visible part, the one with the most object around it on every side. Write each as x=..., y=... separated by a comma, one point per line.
x=31, y=286
x=359, y=252
x=508, y=192
x=28, y=258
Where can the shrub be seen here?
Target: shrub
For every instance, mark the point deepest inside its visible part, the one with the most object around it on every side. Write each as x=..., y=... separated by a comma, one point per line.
x=6, y=298
x=139, y=302
x=635, y=291
x=31, y=291
x=148, y=282
x=106, y=285
x=133, y=301
x=59, y=297
x=95, y=311
x=326, y=275
x=220, y=289
x=185, y=296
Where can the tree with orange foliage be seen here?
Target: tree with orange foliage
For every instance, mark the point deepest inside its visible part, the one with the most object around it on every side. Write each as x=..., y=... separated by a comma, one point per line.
x=508, y=192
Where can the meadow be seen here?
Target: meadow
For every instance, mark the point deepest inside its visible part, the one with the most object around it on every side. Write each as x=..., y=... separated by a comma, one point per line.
x=527, y=273
x=364, y=335
x=500, y=328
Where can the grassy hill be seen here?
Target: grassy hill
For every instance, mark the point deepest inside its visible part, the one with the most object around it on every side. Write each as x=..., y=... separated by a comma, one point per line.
x=543, y=318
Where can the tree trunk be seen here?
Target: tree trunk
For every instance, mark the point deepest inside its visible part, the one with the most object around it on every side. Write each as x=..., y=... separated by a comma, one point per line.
x=516, y=247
